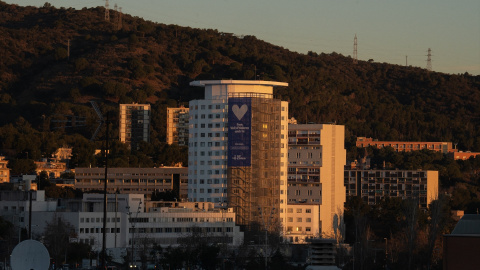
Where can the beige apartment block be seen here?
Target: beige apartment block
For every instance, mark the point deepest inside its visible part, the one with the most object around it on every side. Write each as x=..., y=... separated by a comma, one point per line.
x=134, y=124
x=4, y=170
x=463, y=155
x=134, y=180
x=316, y=160
x=177, y=125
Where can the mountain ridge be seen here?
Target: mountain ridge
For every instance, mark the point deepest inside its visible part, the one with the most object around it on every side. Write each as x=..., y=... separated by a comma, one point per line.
x=152, y=62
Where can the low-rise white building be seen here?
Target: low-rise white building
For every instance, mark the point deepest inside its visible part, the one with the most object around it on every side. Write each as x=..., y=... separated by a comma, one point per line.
x=129, y=218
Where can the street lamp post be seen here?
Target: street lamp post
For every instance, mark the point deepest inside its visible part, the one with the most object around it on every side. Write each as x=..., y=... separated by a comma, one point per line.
x=133, y=231
x=265, y=224
x=386, y=251
x=223, y=235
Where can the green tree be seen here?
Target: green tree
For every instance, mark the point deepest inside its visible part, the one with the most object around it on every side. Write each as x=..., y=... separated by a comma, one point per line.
x=173, y=258
x=57, y=192
x=7, y=235
x=60, y=53
x=168, y=195
x=208, y=256
x=440, y=219
x=461, y=197
x=43, y=181
x=6, y=228
x=22, y=166
x=78, y=251
x=81, y=64
x=75, y=94
x=82, y=153
x=67, y=175
x=57, y=235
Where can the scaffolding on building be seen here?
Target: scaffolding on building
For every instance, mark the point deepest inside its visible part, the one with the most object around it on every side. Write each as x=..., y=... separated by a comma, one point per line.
x=255, y=189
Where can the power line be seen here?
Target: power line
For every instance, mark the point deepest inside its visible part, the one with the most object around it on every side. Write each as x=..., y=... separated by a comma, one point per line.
x=355, y=56
x=429, y=60
x=107, y=11
x=120, y=15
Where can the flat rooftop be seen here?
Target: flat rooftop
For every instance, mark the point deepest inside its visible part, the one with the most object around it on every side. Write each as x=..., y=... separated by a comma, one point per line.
x=237, y=82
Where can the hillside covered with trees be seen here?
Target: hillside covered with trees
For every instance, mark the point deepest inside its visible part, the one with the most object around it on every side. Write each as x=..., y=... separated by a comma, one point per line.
x=55, y=60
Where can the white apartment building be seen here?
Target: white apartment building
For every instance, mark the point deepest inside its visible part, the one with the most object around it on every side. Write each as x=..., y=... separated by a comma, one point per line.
x=303, y=222
x=177, y=125
x=316, y=160
x=238, y=149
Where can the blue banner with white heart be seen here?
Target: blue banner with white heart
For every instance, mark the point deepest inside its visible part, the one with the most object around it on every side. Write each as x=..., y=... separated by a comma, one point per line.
x=239, y=131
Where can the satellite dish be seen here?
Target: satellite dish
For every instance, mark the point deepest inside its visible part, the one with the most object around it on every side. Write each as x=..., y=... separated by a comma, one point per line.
x=30, y=254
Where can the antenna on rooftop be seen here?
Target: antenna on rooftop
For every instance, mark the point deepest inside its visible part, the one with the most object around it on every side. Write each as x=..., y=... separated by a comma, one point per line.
x=355, y=56
x=117, y=25
x=100, y=119
x=115, y=20
x=120, y=15
x=101, y=122
x=429, y=60
x=107, y=11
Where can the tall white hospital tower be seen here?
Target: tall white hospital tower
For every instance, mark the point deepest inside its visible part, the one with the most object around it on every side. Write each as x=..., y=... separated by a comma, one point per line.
x=238, y=150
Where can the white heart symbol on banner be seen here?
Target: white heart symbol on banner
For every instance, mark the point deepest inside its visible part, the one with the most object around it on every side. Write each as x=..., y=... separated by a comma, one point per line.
x=239, y=112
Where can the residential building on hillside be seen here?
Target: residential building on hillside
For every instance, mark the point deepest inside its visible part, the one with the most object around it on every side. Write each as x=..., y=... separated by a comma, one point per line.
x=177, y=125
x=463, y=155
x=134, y=180
x=63, y=154
x=134, y=124
x=53, y=168
x=374, y=185
x=4, y=170
x=399, y=146
x=238, y=150
x=316, y=161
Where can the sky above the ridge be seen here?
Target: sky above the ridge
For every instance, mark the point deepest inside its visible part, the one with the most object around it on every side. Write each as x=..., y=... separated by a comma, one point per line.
x=396, y=32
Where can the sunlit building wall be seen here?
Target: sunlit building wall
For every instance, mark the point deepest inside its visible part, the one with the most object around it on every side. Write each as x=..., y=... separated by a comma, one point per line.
x=134, y=124
x=4, y=170
x=177, y=125
x=316, y=160
x=303, y=222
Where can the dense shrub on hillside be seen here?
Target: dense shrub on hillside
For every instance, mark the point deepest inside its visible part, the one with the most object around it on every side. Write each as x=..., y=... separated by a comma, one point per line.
x=154, y=63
